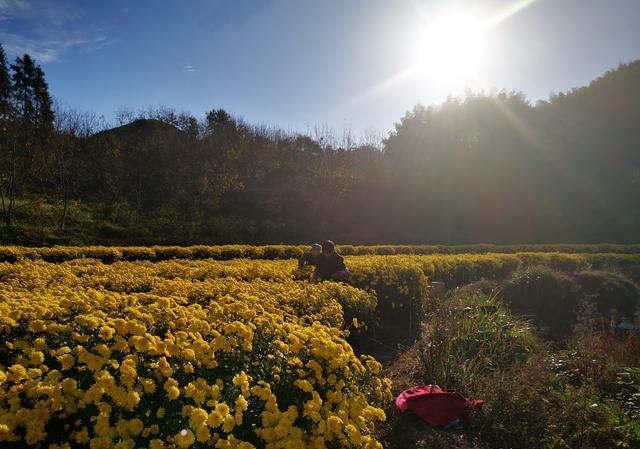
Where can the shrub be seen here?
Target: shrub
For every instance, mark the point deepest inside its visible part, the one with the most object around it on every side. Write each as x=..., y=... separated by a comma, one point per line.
x=458, y=270
x=551, y=297
x=400, y=288
x=534, y=406
x=131, y=253
x=171, y=252
x=463, y=338
x=104, y=254
x=609, y=291
x=231, y=252
x=59, y=253
x=280, y=252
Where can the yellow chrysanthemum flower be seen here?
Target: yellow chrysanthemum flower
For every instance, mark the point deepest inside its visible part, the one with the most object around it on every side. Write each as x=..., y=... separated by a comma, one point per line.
x=184, y=438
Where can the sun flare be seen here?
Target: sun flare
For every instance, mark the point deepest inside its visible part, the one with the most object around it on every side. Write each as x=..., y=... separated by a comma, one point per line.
x=450, y=48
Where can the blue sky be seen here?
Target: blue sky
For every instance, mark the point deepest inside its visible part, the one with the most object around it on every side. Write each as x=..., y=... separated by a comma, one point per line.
x=295, y=63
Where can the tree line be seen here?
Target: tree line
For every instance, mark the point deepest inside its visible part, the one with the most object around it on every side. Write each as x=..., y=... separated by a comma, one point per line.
x=489, y=167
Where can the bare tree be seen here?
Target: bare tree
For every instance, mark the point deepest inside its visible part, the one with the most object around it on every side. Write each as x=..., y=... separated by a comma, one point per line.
x=324, y=135
x=125, y=115
x=73, y=127
x=347, y=142
x=372, y=138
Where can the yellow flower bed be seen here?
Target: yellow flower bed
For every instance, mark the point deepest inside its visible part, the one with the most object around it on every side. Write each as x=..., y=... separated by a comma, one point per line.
x=398, y=281
x=193, y=352
x=459, y=269
x=133, y=355
x=400, y=286
x=110, y=254
x=269, y=282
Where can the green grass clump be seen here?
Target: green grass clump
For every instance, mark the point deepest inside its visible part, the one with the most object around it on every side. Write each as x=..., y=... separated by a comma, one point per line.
x=584, y=393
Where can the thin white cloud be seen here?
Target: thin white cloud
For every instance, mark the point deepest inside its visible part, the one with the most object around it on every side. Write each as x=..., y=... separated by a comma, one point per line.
x=45, y=30
x=188, y=68
x=45, y=12
x=52, y=50
x=12, y=8
x=18, y=47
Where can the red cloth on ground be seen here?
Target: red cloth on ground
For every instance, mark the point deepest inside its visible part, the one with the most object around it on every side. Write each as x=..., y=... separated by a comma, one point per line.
x=434, y=405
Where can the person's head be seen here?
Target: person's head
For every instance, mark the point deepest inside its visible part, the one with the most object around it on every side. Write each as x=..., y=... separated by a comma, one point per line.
x=328, y=247
x=316, y=249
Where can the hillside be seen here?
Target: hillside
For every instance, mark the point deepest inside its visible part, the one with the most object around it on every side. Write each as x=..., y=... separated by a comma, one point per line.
x=484, y=168
x=139, y=130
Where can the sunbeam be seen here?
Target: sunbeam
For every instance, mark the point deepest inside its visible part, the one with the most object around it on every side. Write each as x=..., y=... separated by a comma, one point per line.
x=449, y=49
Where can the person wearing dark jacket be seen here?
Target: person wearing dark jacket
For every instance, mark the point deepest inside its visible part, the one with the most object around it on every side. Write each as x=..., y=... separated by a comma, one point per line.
x=330, y=264
x=310, y=258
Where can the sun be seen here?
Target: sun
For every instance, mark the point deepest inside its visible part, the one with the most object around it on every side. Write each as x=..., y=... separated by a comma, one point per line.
x=450, y=48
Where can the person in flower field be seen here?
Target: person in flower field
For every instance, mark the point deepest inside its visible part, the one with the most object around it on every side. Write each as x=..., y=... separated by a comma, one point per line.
x=330, y=265
x=310, y=259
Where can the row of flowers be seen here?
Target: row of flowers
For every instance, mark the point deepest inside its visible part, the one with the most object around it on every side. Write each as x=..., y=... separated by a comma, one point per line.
x=386, y=287
x=110, y=254
x=270, y=283
x=193, y=363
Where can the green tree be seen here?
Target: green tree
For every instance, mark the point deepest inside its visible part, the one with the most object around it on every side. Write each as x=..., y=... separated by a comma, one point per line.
x=6, y=88
x=7, y=143
x=27, y=158
x=42, y=100
x=31, y=93
x=23, y=89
